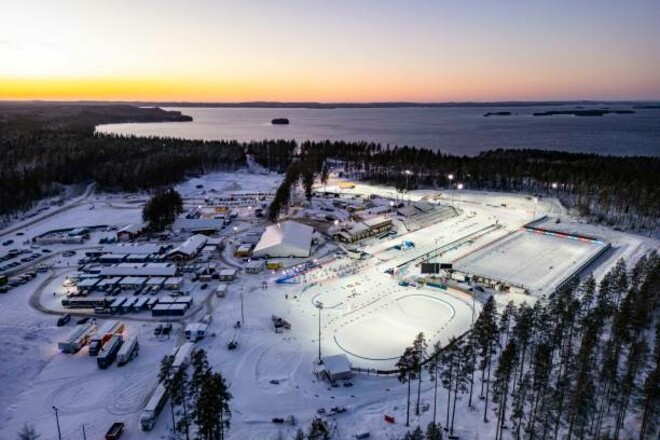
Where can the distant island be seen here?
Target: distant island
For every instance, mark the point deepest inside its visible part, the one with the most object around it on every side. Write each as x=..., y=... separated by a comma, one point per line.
x=583, y=112
x=280, y=121
x=497, y=114
x=80, y=115
x=648, y=107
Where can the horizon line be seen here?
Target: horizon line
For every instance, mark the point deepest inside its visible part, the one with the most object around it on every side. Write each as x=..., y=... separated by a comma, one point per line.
x=398, y=103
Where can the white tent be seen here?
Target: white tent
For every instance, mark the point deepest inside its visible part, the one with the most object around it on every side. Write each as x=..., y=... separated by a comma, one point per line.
x=286, y=239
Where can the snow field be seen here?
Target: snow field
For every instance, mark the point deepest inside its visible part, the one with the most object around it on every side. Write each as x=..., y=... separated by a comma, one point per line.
x=367, y=311
x=536, y=262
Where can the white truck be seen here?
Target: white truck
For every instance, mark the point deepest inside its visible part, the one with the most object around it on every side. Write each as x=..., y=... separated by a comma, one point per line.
x=128, y=351
x=153, y=408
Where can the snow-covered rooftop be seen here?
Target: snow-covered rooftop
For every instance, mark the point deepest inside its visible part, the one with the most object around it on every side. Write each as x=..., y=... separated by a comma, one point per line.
x=126, y=248
x=150, y=269
x=284, y=239
x=337, y=364
x=191, y=246
x=197, y=224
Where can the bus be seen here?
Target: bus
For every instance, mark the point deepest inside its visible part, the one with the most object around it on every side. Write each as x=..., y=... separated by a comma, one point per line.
x=85, y=303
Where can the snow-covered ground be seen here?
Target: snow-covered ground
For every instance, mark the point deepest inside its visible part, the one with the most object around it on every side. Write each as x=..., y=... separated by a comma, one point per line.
x=366, y=314
x=535, y=262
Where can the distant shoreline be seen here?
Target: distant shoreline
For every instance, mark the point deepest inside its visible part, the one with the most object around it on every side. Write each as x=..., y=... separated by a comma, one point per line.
x=650, y=104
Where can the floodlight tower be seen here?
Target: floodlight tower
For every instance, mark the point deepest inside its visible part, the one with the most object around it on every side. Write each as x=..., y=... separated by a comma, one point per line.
x=408, y=173
x=319, y=306
x=458, y=187
x=57, y=420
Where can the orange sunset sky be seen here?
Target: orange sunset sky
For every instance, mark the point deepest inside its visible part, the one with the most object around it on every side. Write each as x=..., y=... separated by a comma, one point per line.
x=329, y=51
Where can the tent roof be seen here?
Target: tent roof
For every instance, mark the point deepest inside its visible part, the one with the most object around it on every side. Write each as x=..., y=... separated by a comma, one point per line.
x=288, y=233
x=337, y=364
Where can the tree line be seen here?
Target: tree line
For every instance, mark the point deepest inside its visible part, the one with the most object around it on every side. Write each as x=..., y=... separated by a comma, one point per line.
x=581, y=365
x=41, y=152
x=35, y=164
x=618, y=191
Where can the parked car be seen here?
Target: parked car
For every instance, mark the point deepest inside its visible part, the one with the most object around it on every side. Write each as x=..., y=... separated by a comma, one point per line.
x=63, y=320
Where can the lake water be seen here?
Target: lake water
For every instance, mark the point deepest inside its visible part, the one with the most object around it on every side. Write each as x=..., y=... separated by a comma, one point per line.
x=456, y=130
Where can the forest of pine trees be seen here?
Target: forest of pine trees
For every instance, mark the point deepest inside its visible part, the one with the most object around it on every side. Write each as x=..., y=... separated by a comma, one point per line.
x=162, y=209
x=618, y=191
x=200, y=402
x=38, y=157
x=581, y=365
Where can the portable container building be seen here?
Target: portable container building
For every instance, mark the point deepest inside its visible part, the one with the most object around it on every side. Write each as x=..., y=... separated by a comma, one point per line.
x=160, y=310
x=140, y=304
x=128, y=305
x=151, y=303
x=196, y=331
x=115, y=306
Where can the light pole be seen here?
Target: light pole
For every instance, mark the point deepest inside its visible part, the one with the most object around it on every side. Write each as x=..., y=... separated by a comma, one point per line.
x=408, y=173
x=554, y=187
x=319, y=305
x=242, y=310
x=235, y=230
x=458, y=187
x=451, y=178
x=57, y=420
x=536, y=202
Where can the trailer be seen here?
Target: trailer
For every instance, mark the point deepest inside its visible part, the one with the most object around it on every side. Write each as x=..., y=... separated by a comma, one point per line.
x=109, y=351
x=115, y=431
x=77, y=339
x=128, y=350
x=153, y=408
x=106, y=331
x=221, y=291
x=182, y=357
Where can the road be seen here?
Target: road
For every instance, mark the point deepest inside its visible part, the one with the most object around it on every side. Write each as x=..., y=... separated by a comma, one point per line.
x=89, y=191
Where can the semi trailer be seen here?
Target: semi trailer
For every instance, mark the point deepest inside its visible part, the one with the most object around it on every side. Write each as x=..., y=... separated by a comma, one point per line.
x=108, y=353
